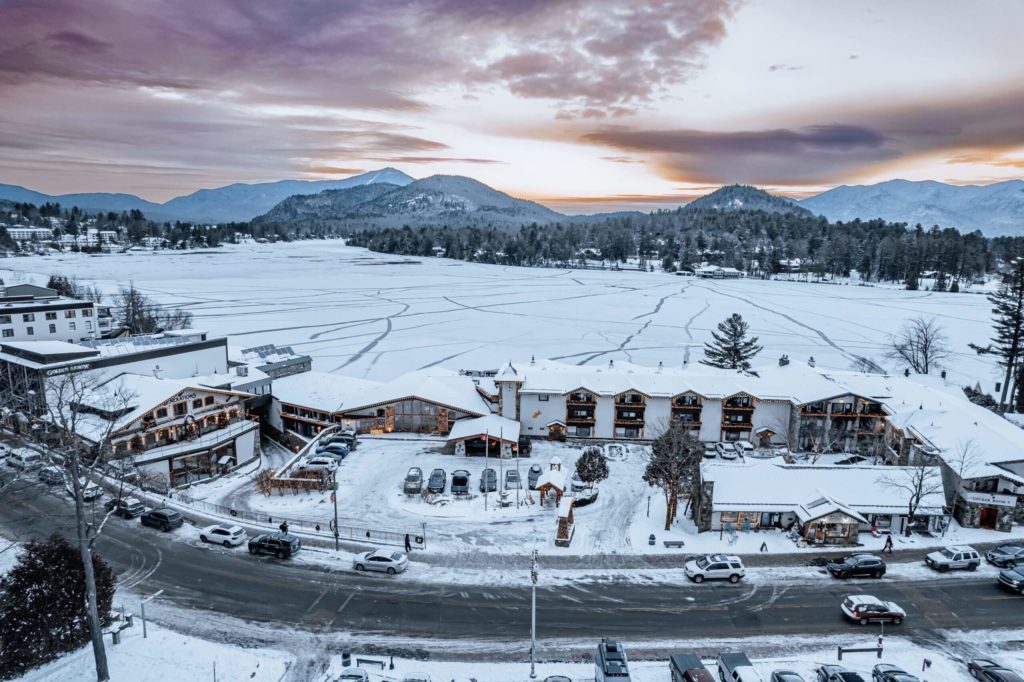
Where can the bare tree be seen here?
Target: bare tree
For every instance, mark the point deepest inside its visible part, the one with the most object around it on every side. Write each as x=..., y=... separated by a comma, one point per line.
x=675, y=456
x=958, y=463
x=921, y=343
x=919, y=481
x=140, y=315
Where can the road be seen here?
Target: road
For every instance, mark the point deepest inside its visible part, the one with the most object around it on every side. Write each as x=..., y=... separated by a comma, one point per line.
x=230, y=582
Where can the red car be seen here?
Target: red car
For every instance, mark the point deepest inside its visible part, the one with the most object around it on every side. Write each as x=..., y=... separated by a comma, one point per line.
x=864, y=609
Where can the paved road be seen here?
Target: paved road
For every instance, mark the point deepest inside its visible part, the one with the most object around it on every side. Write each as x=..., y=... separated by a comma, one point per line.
x=266, y=590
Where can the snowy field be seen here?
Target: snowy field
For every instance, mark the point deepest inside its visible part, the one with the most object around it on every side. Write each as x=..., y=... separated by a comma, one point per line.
x=377, y=315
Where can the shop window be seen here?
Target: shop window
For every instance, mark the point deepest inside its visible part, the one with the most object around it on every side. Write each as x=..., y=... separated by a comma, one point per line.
x=180, y=409
x=197, y=403
x=161, y=413
x=208, y=400
x=883, y=521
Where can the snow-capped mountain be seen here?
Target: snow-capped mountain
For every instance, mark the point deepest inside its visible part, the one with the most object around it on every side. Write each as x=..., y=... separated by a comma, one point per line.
x=996, y=209
x=239, y=201
x=439, y=199
x=745, y=198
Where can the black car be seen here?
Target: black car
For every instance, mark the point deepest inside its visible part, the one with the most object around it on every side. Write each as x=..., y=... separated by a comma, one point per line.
x=281, y=545
x=438, y=479
x=836, y=673
x=885, y=672
x=460, y=482
x=857, y=566
x=126, y=507
x=164, y=519
x=488, y=480
x=990, y=671
x=1012, y=579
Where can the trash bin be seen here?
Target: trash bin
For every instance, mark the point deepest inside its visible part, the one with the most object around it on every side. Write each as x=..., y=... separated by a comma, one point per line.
x=346, y=659
x=651, y=539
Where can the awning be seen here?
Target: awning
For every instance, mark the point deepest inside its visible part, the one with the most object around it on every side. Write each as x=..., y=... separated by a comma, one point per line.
x=225, y=459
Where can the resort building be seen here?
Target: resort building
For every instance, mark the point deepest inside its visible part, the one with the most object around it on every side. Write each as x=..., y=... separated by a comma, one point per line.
x=34, y=313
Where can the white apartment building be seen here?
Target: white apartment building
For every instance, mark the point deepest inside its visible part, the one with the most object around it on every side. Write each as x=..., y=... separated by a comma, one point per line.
x=23, y=233
x=33, y=313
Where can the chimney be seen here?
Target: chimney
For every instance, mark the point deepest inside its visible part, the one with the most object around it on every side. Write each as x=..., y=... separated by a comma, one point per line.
x=784, y=360
x=156, y=372
x=810, y=361
x=242, y=370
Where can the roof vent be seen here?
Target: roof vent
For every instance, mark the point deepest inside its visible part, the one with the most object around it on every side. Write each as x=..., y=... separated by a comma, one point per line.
x=784, y=360
x=810, y=361
x=156, y=372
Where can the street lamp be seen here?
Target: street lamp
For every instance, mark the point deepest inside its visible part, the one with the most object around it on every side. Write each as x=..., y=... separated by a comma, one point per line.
x=533, y=615
x=152, y=596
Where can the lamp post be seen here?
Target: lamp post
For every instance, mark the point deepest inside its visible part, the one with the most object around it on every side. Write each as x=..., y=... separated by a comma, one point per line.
x=533, y=616
x=152, y=596
x=487, y=450
x=334, y=499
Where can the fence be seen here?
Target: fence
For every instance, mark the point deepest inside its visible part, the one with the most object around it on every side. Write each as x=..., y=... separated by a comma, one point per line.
x=417, y=539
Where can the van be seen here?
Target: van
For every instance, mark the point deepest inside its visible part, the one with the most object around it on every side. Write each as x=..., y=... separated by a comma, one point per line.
x=24, y=459
x=610, y=663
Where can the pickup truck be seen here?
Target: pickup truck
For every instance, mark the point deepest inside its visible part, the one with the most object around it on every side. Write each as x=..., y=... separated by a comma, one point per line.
x=736, y=667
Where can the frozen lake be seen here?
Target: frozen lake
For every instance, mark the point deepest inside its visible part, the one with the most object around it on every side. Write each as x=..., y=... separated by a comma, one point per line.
x=377, y=315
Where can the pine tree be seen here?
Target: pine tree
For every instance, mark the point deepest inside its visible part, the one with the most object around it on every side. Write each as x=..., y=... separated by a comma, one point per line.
x=592, y=466
x=1008, y=324
x=730, y=348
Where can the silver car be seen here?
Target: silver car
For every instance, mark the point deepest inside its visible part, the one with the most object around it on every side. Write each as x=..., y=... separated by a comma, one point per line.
x=354, y=675
x=413, y=481
x=512, y=480
x=382, y=560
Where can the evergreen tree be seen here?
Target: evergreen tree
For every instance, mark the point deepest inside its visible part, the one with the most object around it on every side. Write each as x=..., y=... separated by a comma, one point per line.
x=1008, y=324
x=592, y=466
x=42, y=604
x=730, y=348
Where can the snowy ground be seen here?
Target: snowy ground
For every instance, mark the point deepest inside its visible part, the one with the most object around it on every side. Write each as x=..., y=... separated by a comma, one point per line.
x=377, y=315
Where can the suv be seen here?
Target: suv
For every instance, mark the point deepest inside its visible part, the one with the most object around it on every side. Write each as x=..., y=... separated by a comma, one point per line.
x=857, y=566
x=710, y=451
x=736, y=666
x=413, y=481
x=726, y=450
x=164, y=519
x=488, y=480
x=988, y=671
x=51, y=475
x=715, y=567
x=512, y=480
x=126, y=508
x=949, y=558
x=281, y=545
x=864, y=609
x=1012, y=579
x=438, y=479
x=885, y=672
x=836, y=673
x=610, y=662
x=533, y=476
x=1006, y=556
x=460, y=482
x=24, y=459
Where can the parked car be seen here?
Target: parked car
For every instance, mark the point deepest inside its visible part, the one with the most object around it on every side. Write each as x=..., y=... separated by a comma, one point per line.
x=736, y=667
x=512, y=480
x=786, y=676
x=688, y=668
x=320, y=463
x=383, y=560
x=836, y=673
x=223, y=534
x=488, y=480
x=413, y=481
x=710, y=451
x=533, y=476
x=745, y=447
x=989, y=671
x=460, y=482
x=90, y=492
x=416, y=677
x=126, y=507
x=51, y=475
x=610, y=664
x=715, y=567
x=354, y=675
x=864, y=609
x=123, y=470
x=1012, y=579
x=281, y=545
x=1006, y=556
x=726, y=450
x=438, y=480
x=857, y=566
x=557, y=678
x=954, y=558
x=886, y=672
x=24, y=459
x=164, y=519
x=336, y=449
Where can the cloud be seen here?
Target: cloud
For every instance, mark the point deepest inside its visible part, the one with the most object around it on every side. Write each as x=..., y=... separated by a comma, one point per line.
x=433, y=159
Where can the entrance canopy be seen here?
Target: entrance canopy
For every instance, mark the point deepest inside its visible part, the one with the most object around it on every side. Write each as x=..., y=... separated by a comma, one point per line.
x=494, y=426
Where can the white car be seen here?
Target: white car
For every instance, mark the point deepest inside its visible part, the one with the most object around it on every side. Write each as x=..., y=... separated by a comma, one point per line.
x=745, y=447
x=715, y=567
x=726, y=450
x=710, y=451
x=383, y=560
x=321, y=462
x=354, y=675
x=223, y=534
x=954, y=558
x=24, y=459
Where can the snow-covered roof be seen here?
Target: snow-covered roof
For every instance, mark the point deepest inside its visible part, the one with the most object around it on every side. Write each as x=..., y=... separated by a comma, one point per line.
x=554, y=477
x=774, y=486
x=491, y=424
x=565, y=506
x=321, y=391
x=436, y=385
x=824, y=506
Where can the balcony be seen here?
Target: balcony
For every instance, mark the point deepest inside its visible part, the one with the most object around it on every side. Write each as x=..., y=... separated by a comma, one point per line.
x=580, y=401
x=738, y=408
x=741, y=426
x=629, y=421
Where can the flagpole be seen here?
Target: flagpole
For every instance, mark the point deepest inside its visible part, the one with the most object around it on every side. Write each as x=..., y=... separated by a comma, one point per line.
x=487, y=448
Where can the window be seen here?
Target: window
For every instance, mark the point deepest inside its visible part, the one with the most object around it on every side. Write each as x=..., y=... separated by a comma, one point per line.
x=51, y=316
x=28, y=317
x=69, y=314
x=87, y=312
x=180, y=409
x=88, y=325
x=197, y=403
x=542, y=398
x=30, y=331
x=5, y=319
x=53, y=329
x=71, y=326
x=8, y=333
x=161, y=413
x=208, y=400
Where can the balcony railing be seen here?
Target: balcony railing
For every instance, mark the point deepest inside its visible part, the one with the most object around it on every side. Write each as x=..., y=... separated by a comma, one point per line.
x=737, y=425
x=738, y=408
x=141, y=444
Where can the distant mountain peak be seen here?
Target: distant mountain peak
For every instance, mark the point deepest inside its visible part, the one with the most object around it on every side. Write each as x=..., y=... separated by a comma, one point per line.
x=745, y=198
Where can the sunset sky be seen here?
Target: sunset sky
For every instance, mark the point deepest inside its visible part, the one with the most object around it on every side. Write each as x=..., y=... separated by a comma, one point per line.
x=585, y=105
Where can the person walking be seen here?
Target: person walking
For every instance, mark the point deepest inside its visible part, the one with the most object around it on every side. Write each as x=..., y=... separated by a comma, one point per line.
x=408, y=544
x=284, y=526
x=888, y=544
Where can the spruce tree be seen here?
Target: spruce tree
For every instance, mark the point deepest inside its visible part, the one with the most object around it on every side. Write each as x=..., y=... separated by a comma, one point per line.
x=730, y=347
x=1008, y=325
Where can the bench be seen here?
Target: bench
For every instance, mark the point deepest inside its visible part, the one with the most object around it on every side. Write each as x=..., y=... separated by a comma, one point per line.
x=865, y=650
x=673, y=543
x=360, y=662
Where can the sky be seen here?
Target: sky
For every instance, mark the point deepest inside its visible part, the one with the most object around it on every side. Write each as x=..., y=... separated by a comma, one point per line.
x=583, y=105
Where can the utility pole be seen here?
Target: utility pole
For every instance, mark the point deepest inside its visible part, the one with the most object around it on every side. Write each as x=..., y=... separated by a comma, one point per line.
x=487, y=449
x=334, y=499
x=533, y=615
x=152, y=596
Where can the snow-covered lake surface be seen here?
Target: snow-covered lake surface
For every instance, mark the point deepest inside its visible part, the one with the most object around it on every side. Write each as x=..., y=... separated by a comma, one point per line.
x=377, y=315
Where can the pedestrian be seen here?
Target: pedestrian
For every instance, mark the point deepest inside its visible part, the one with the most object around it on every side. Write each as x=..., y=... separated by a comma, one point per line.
x=888, y=544
x=284, y=526
x=408, y=544
x=764, y=546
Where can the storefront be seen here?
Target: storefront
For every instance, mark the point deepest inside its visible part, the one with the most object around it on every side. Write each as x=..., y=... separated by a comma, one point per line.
x=992, y=511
